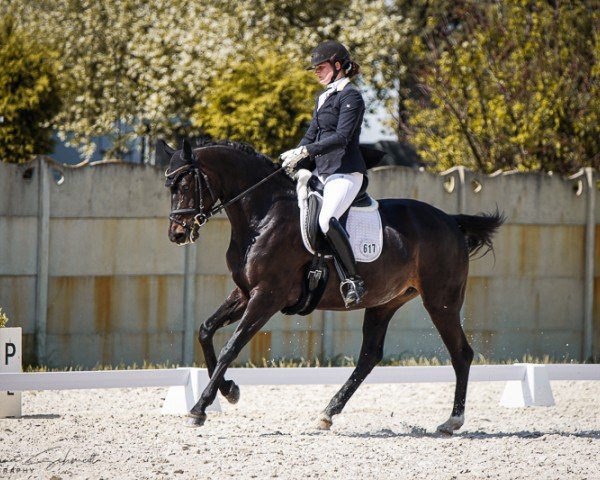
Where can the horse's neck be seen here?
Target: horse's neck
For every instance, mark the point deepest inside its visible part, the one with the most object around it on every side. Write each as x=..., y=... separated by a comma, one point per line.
x=230, y=176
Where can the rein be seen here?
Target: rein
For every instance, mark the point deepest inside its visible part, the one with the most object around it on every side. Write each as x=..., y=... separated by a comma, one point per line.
x=201, y=217
x=217, y=208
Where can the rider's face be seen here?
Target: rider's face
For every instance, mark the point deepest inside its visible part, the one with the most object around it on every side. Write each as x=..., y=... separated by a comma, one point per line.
x=324, y=72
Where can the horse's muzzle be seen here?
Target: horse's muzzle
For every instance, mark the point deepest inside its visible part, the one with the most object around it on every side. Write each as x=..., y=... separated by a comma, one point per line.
x=181, y=233
x=180, y=238
x=178, y=234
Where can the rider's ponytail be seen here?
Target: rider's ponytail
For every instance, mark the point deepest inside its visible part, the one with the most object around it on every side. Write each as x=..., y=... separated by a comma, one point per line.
x=352, y=70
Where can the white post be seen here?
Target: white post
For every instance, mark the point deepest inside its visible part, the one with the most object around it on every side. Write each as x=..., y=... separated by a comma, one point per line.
x=10, y=362
x=180, y=399
x=533, y=391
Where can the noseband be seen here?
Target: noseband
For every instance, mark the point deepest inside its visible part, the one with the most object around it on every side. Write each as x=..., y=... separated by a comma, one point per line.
x=200, y=216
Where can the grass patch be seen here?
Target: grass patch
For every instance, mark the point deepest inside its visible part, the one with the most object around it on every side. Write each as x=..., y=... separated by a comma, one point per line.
x=3, y=319
x=421, y=361
x=338, y=361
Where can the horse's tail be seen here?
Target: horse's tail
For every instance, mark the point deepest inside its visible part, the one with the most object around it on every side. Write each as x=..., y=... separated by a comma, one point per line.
x=479, y=230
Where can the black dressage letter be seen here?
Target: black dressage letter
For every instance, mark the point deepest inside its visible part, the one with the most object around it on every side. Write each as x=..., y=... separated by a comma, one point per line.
x=11, y=353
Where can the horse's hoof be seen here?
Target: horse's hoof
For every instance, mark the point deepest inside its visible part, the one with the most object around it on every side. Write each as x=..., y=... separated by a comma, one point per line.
x=444, y=431
x=233, y=396
x=324, y=422
x=453, y=423
x=196, y=419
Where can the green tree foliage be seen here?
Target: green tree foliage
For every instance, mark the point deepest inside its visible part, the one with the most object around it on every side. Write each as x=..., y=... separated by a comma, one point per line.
x=29, y=96
x=485, y=84
x=376, y=33
x=397, y=82
x=513, y=85
x=266, y=101
x=3, y=319
x=130, y=67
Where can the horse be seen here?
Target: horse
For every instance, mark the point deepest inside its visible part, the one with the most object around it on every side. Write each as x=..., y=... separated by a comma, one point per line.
x=425, y=252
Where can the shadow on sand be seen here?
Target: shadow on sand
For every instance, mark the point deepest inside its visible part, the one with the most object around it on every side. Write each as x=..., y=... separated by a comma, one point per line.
x=418, y=432
x=40, y=416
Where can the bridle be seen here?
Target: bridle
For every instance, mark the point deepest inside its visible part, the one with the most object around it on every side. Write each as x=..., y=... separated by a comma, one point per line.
x=200, y=216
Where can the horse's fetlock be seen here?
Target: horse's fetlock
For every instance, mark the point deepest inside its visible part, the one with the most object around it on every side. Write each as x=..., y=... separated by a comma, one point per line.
x=324, y=421
x=232, y=392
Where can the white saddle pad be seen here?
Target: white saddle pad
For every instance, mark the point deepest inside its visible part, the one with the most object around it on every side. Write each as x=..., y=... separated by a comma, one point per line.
x=363, y=224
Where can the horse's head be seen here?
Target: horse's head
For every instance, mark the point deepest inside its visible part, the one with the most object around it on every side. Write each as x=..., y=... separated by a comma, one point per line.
x=188, y=187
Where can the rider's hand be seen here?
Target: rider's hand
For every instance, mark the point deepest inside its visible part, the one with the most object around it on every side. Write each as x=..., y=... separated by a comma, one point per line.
x=291, y=158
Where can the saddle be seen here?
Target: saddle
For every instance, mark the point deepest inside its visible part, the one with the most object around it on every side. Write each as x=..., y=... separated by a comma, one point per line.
x=315, y=240
x=364, y=229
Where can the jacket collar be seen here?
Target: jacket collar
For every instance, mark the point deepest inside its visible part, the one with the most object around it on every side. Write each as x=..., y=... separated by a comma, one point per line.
x=336, y=86
x=339, y=84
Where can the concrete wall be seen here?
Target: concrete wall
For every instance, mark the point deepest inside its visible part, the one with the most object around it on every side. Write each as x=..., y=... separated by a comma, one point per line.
x=88, y=272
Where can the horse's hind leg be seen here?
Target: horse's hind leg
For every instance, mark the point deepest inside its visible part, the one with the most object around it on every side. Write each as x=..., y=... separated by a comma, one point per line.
x=446, y=318
x=375, y=325
x=231, y=311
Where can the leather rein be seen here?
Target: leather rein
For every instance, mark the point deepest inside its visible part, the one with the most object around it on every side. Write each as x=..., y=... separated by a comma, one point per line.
x=200, y=216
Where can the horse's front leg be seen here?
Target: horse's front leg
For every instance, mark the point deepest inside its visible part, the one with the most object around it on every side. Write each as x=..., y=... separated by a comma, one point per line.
x=261, y=307
x=231, y=311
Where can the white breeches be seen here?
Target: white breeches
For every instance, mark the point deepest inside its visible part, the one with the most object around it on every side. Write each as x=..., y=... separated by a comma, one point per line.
x=339, y=193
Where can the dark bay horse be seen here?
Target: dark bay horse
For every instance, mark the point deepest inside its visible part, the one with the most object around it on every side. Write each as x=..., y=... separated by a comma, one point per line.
x=425, y=252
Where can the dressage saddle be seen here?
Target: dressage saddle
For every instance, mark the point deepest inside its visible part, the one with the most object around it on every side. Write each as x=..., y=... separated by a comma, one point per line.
x=315, y=203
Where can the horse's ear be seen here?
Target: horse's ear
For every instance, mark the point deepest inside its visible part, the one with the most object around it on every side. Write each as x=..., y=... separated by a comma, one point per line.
x=163, y=153
x=187, y=151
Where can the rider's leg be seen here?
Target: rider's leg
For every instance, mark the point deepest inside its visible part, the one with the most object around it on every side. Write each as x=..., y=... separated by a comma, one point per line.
x=339, y=192
x=352, y=286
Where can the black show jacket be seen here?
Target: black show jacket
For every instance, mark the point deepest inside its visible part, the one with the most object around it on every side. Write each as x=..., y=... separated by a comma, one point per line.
x=333, y=134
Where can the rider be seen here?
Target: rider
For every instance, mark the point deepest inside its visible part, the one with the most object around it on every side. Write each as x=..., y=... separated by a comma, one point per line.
x=332, y=142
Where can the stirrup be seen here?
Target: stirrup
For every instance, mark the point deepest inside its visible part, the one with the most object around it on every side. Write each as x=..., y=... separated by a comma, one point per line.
x=352, y=290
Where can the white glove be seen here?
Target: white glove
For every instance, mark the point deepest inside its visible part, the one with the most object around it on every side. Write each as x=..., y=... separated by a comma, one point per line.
x=292, y=157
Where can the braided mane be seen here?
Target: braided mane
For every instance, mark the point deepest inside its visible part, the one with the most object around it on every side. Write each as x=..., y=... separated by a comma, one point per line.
x=239, y=146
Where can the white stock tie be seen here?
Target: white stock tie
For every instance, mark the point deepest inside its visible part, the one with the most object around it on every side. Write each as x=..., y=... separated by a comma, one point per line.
x=325, y=95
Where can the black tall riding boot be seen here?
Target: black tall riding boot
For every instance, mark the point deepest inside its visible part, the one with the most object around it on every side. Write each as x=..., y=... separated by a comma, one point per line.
x=352, y=287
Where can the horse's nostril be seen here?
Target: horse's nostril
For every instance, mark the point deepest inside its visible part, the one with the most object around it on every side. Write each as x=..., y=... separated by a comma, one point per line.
x=179, y=237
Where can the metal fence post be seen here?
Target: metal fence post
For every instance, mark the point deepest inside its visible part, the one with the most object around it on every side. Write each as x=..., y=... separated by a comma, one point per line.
x=586, y=180
x=43, y=240
x=327, y=346
x=590, y=242
x=189, y=304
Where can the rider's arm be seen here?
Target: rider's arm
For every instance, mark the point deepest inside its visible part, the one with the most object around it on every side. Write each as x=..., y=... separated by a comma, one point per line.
x=311, y=134
x=352, y=107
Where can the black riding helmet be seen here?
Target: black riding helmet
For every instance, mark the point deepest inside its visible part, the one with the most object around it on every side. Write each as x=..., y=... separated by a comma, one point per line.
x=332, y=52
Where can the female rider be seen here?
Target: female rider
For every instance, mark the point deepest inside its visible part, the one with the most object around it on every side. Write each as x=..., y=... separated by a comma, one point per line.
x=332, y=142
